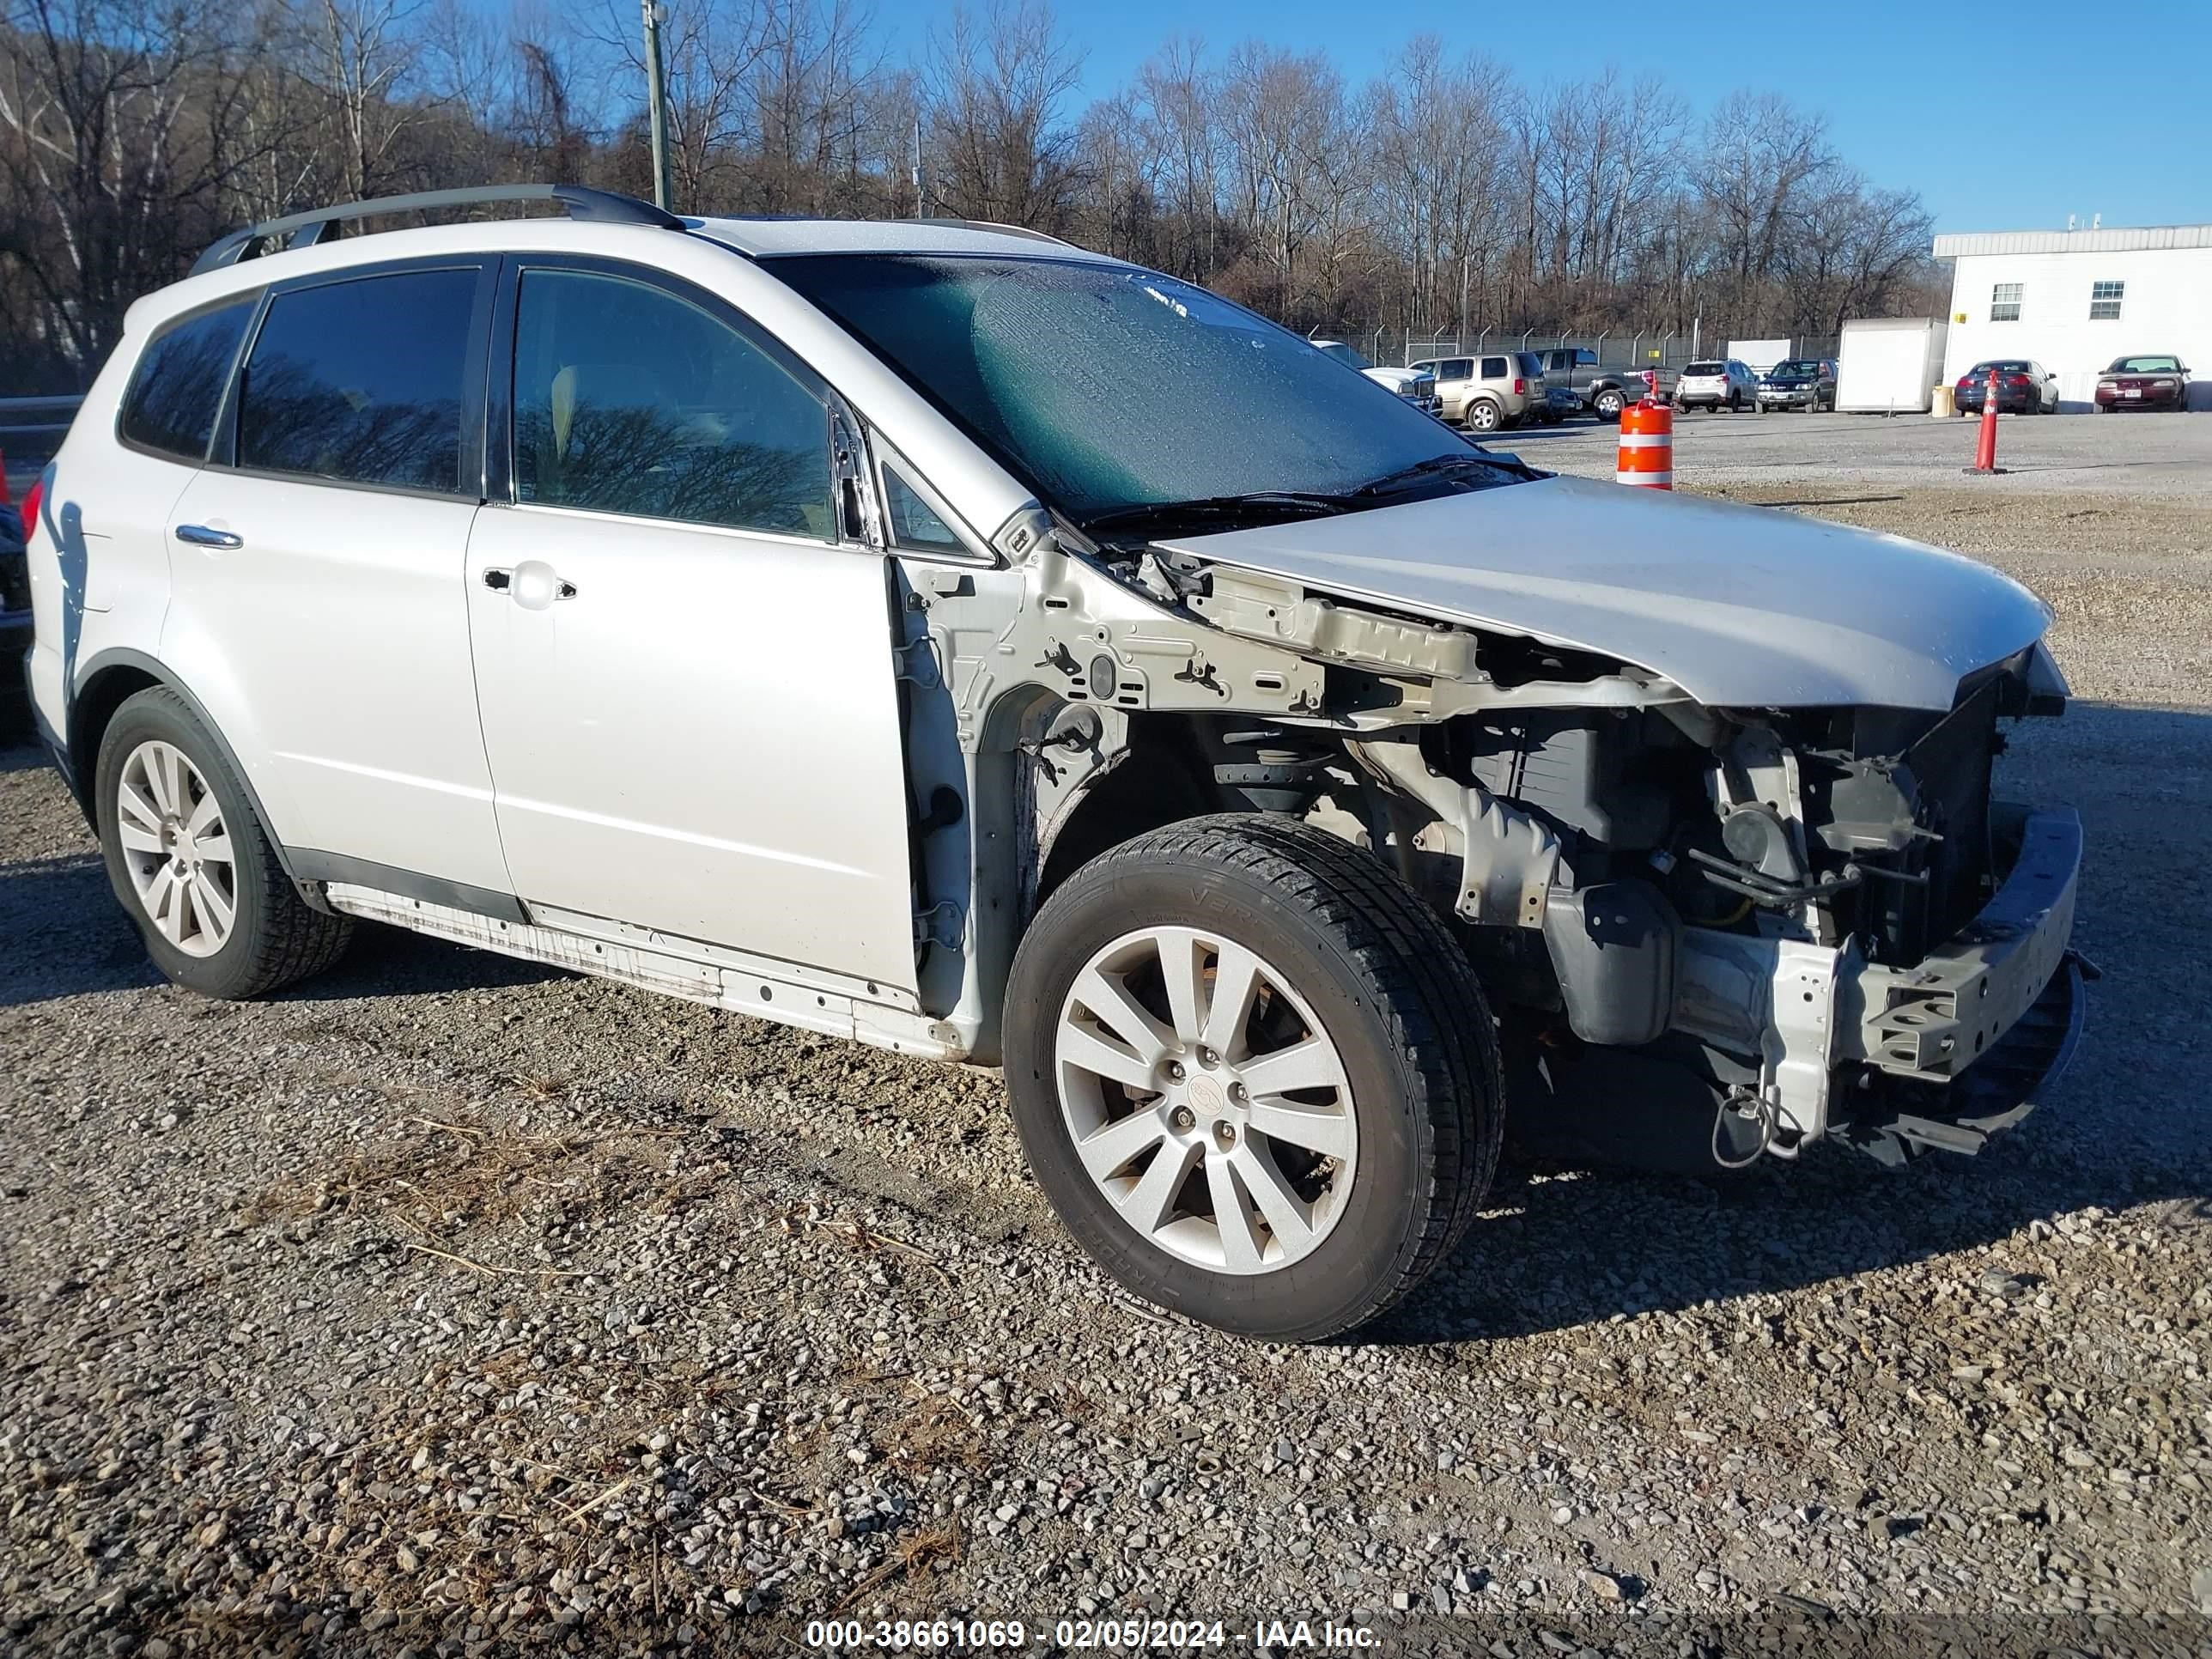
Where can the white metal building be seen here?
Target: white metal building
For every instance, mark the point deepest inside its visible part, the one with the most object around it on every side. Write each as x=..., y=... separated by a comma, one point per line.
x=2074, y=299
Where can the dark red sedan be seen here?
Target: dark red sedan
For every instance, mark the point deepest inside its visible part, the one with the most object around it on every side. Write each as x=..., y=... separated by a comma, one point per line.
x=2143, y=383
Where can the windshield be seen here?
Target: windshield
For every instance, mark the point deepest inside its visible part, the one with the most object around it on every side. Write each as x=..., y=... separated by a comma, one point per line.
x=1706, y=369
x=1107, y=388
x=2146, y=366
x=1805, y=370
x=1343, y=354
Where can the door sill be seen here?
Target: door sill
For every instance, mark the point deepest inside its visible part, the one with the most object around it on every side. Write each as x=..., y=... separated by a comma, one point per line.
x=781, y=992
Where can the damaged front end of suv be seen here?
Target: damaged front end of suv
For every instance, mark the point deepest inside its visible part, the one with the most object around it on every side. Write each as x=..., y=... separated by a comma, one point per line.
x=1711, y=810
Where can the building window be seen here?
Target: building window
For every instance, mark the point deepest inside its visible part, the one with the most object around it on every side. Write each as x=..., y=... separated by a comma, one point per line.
x=2004, y=302
x=2104, y=301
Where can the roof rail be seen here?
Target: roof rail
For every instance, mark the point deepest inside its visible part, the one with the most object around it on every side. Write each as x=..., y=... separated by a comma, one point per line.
x=1023, y=231
x=320, y=224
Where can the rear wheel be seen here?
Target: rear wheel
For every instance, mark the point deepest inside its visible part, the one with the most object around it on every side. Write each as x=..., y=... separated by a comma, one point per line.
x=1483, y=416
x=1254, y=1074
x=1609, y=405
x=191, y=862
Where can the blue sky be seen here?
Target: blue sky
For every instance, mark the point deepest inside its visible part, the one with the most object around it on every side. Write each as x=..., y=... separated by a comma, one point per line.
x=2104, y=109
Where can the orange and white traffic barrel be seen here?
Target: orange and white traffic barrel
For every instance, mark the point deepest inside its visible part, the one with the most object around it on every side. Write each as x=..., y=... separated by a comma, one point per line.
x=1647, y=445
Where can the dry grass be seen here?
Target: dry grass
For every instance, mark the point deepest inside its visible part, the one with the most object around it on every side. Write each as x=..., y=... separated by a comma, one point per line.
x=443, y=1176
x=912, y=1556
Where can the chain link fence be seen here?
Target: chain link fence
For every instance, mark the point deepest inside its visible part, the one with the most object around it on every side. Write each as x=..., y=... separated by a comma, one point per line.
x=1620, y=348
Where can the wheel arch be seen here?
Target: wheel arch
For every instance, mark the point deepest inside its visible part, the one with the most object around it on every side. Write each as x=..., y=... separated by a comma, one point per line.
x=1161, y=775
x=111, y=679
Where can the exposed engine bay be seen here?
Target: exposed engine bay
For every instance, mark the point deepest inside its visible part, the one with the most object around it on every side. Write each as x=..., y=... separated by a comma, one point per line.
x=1710, y=934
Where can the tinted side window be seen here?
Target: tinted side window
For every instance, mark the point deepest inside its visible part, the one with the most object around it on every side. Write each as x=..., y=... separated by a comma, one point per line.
x=1493, y=368
x=629, y=399
x=177, y=386
x=361, y=380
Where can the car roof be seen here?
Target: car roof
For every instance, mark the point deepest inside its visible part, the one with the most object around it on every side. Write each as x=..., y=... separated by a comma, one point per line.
x=756, y=239
x=770, y=237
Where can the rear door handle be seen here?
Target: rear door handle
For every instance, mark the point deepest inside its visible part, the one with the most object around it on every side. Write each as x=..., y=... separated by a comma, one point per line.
x=533, y=584
x=198, y=535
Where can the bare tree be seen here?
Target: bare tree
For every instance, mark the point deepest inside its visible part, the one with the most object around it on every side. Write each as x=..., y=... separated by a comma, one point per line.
x=1000, y=82
x=1437, y=195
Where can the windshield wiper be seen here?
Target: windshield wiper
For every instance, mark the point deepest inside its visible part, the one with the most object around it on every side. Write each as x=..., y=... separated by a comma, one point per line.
x=1436, y=465
x=1253, y=504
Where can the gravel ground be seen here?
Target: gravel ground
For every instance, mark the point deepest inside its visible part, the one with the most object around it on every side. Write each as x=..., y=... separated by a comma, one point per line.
x=450, y=1306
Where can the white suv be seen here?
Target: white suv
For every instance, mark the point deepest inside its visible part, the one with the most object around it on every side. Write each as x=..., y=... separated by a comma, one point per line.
x=1715, y=384
x=909, y=632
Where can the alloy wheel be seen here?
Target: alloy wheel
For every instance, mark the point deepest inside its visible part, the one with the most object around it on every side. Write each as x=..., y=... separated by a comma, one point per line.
x=1204, y=1099
x=177, y=848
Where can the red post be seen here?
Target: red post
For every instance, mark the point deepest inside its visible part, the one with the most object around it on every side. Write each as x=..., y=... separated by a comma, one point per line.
x=1986, y=454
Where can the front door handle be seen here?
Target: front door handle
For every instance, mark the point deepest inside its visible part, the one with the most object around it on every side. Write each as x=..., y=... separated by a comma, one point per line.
x=199, y=535
x=533, y=584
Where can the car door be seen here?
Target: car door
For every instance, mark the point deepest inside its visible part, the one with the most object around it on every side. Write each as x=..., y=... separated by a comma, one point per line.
x=684, y=667
x=316, y=565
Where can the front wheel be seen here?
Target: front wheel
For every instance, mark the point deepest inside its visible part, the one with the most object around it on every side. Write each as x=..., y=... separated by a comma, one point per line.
x=1254, y=1074
x=193, y=863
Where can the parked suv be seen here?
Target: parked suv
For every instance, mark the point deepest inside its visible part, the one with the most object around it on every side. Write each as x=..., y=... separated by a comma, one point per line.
x=1547, y=403
x=1806, y=383
x=1717, y=383
x=864, y=627
x=1485, y=392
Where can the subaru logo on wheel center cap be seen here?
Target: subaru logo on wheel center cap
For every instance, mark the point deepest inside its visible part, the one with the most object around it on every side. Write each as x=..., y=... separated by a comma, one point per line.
x=1205, y=1096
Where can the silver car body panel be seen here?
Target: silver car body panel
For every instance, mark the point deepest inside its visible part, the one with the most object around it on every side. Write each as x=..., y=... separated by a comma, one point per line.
x=1739, y=606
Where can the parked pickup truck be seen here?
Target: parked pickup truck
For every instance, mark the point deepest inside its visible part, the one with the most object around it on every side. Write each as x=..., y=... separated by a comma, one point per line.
x=1599, y=389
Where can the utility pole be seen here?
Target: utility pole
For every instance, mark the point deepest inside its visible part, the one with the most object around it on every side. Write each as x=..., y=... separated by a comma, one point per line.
x=917, y=164
x=664, y=188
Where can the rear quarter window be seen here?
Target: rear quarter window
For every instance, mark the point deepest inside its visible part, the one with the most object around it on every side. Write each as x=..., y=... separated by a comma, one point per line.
x=177, y=386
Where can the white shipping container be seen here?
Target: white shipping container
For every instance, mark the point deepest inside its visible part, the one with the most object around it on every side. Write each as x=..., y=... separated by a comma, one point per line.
x=1889, y=365
x=1759, y=355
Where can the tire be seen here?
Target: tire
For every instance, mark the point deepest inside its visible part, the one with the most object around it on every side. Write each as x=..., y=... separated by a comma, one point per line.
x=1365, y=965
x=1608, y=405
x=174, y=769
x=1483, y=416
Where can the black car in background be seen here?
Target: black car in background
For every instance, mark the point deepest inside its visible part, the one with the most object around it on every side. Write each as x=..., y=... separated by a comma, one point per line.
x=15, y=626
x=1799, y=383
x=2024, y=387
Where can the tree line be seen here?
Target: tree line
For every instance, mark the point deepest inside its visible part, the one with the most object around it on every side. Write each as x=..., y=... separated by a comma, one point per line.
x=1444, y=192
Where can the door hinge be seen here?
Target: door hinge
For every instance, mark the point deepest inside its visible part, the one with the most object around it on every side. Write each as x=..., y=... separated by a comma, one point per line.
x=942, y=924
x=916, y=663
